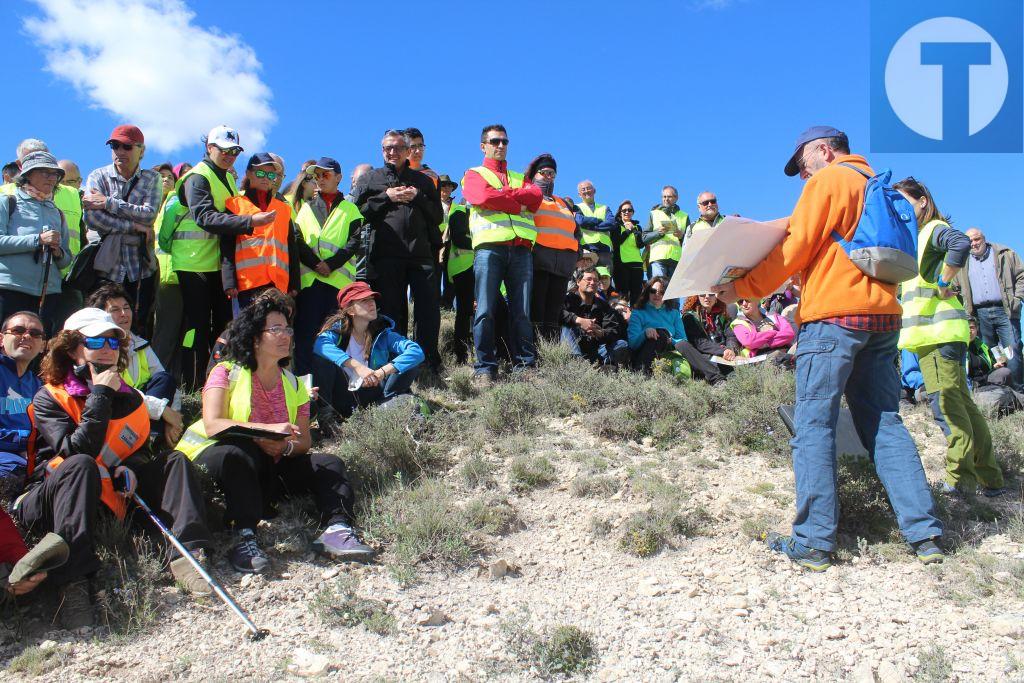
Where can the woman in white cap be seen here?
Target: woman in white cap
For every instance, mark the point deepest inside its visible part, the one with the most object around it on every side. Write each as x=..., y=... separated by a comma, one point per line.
x=33, y=233
x=92, y=453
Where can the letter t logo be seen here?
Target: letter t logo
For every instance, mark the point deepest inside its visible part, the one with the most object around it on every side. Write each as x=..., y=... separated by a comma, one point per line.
x=955, y=59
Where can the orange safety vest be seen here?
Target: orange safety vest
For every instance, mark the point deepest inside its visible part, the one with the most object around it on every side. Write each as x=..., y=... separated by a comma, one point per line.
x=262, y=257
x=124, y=437
x=556, y=227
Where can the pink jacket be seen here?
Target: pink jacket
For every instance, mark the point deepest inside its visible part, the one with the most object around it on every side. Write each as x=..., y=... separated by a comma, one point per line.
x=764, y=340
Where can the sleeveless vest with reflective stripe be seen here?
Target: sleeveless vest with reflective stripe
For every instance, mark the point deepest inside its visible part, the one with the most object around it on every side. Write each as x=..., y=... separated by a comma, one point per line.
x=68, y=201
x=327, y=240
x=669, y=247
x=195, y=250
x=594, y=236
x=556, y=227
x=927, y=319
x=262, y=257
x=487, y=226
x=124, y=437
x=142, y=370
x=163, y=258
x=459, y=260
x=629, y=252
x=240, y=405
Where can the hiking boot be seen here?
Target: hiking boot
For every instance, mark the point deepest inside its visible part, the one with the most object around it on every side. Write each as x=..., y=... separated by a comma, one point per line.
x=186, y=576
x=994, y=492
x=808, y=558
x=340, y=541
x=74, y=608
x=247, y=556
x=51, y=552
x=928, y=551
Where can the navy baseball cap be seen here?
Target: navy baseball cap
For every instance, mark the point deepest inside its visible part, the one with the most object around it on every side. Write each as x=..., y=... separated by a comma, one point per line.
x=327, y=164
x=812, y=133
x=262, y=159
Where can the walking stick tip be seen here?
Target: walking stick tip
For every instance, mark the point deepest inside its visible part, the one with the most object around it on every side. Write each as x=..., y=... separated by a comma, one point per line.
x=258, y=635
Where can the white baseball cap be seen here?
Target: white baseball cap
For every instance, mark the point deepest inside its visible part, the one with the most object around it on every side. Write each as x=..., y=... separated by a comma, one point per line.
x=92, y=322
x=224, y=137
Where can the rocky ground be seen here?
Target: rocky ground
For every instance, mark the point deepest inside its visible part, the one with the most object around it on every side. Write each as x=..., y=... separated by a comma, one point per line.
x=712, y=604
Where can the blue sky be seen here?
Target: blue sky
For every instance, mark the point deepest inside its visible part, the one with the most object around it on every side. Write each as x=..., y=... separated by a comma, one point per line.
x=701, y=95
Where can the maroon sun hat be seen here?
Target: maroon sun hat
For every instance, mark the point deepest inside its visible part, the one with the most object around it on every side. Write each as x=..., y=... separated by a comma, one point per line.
x=356, y=291
x=129, y=135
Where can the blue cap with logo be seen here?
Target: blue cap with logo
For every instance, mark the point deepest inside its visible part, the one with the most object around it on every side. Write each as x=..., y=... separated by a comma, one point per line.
x=812, y=133
x=325, y=163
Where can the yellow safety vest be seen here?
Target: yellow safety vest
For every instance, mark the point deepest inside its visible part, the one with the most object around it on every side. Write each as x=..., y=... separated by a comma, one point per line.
x=194, y=250
x=487, y=226
x=142, y=370
x=326, y=241
x=702, y=224
x=594, y=236
x=669, y=247
x=177, y=212
x=629, y=252
x=927, y=319
x=459, y=260
x=240, y=405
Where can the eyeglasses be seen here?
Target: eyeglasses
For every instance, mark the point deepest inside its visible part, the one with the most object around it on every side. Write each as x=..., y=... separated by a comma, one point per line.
x=391, y=149
x=117, y=146
x=230, y=151
x=96, y=343
x=48, y=173
x=21, y=331
x=271, y=175
x=417, y=147
x=708, y=202
x=627, y=210
x=280, y=330
x=498, y=142
x=547, y=172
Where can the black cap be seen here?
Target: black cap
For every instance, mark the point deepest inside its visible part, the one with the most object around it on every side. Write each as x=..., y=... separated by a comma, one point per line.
x=262, y=159
x=327, y=164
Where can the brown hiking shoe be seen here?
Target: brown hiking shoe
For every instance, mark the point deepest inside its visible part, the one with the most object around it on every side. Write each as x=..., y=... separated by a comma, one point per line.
x=188, y=578
x=74, y=609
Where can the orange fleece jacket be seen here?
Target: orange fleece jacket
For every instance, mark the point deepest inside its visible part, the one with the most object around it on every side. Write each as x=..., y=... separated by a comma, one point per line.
x=833, y=199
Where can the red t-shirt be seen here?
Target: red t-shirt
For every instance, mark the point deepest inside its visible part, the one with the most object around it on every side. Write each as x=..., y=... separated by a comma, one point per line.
x=12, y=548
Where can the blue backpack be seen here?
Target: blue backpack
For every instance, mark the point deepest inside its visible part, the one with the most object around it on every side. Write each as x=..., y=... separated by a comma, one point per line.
x=884, y=244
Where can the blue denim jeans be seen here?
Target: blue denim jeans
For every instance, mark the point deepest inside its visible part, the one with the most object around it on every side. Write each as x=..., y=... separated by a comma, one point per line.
x=832, y=361
x=493, y=265
x=996, y=327
x=615, y=352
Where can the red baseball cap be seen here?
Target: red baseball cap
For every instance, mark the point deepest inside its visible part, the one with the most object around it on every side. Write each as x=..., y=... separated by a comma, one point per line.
x=356, y=291
x=129, y=135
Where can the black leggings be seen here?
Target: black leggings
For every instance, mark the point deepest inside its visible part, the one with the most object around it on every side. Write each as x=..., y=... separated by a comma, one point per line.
x=546, y=307
x=252, y=482
x=207, y=310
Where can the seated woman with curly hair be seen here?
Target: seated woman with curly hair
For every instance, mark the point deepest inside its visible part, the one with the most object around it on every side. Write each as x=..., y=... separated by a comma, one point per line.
x=706, y=322
x=92, y=451
x=253, y=389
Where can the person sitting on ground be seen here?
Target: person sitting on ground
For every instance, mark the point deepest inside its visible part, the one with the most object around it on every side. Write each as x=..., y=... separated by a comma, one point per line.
x=91, y=449
x=707, y=327
x=590, y=326
x=359, y=359
x=786, y=301
x=982, y=368
x=23, y=341
x=253, y=389
x=656, y=330
x=761, y=334
x=145, y=372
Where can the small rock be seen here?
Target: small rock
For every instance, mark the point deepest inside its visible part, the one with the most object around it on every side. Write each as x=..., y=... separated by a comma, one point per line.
x=286, y=575
x=330, y=573
x=741, y=613
x=434, y=618
x=693, y=591
x=307, y=664
x=1009, y=625
x=862, y=673
x=498, y=569
x=834, y=633
x=890, y=673
x=650, y=588
x=737, y=602
x=1002, y=577
x=47, y=645
x=734, y=659
x=900, y=618
x=688, y=617
x=490, y=609
x=811, y=614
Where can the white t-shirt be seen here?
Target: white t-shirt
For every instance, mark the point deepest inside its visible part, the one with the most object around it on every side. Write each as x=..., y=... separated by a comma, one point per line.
x=357, y=353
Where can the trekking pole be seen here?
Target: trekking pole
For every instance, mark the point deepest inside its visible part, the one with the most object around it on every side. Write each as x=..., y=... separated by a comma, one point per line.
x=256, y=632
x=47, y=261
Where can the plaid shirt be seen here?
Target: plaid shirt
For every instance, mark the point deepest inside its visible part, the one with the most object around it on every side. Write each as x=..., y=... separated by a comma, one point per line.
x=122, y=215
x=868, y=323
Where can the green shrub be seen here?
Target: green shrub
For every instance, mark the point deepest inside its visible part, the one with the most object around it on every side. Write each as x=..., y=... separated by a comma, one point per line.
x=594, y=486
x=864, y=510
x=645, y=533
x=377, y=444
x=1008, y=442
x=493, y=515
x=531, y=472
x=128, y=585
x=340, y=605
x=567, y=651
x=36, y=661
x=513, y=407
x=476, y=470
x=750, y=422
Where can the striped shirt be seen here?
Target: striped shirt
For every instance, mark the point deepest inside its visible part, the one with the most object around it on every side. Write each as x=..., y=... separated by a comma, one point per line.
x=123, y=213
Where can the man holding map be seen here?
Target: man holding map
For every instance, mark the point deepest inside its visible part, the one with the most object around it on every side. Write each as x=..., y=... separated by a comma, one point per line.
x=846, y=346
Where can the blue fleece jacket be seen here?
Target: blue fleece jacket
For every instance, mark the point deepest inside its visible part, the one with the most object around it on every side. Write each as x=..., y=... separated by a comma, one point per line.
x=21, y=267
x=15, y=396
x=664, y=318
x=388, y=347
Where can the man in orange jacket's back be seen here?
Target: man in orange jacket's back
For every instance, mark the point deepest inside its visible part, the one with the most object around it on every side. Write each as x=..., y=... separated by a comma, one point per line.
x=846, y=346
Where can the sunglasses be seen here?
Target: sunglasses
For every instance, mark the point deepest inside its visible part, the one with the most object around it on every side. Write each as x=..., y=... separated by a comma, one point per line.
x=498, y=142
x=96, y=343
x=547, y=172
x=20, y=331
x=390, y=149
x=117, y=146
x=659, y=292
x=627, y=211
x=230, y=151
x=708, y=202
x=266, y=174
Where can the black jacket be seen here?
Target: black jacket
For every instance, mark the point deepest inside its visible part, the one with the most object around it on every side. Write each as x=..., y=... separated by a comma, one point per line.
x=611, y=325
x=707, y=344
x=400, y=231
x=195, y=195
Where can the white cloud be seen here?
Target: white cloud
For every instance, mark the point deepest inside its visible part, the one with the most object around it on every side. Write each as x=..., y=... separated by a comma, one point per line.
x=147, y=63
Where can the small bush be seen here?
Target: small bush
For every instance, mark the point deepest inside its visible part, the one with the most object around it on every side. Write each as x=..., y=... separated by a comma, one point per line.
x=340, y=605
x=376, y=444
x=757, y=528
x=460, y=382
x=864, y=510
x=476, y=470
x=516, y=407
x=35, y=661
x=753, y=423
x=128, y=583
x=1008, y=442
x=646, y=533
x=531, y=472
x=594, y=486
x=494, y=516
x=566, y=651
x=935, y=666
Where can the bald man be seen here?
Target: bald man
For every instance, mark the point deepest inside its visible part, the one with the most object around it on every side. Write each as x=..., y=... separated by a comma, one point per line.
x=72, y=176
x=357, y=172
x=707, y=205
x=992, y=286
x=596, y=222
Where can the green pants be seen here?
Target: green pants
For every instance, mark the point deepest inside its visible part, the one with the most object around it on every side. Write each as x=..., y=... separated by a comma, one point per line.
x=970, y=459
